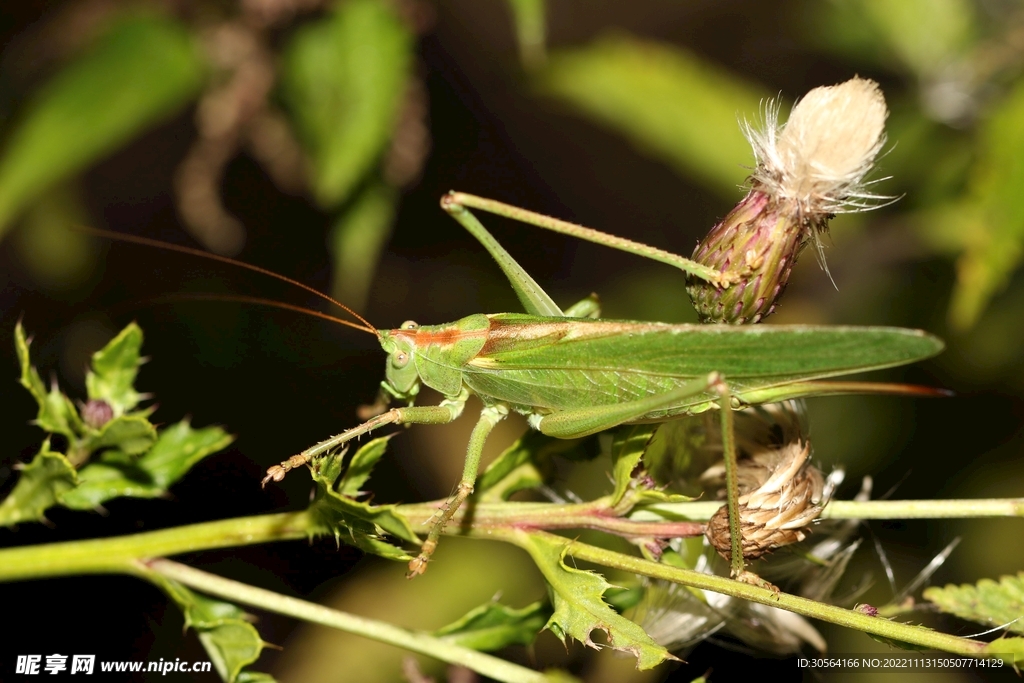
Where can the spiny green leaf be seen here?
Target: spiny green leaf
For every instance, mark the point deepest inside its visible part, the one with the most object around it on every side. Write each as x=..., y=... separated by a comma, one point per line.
x=361, y=465
x=579, y=606
x=994, y=238
x=344, y=78
x=131, y=434
x=670, y=103
x=353, y=522
x=139, y=72
x=493, y=626
x=177, y=449
x=40, y=486
x=57, y=414
x=357, y=240
x=987, y=602
x=230, y=640
x=628, y=448
x=114, y=368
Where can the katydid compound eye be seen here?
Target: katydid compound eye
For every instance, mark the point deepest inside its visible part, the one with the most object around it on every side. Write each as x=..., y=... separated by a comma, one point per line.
x=400, y=359
x=410, y=325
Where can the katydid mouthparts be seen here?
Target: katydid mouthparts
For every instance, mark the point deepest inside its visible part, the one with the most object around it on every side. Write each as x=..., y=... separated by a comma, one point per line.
x=573, y=374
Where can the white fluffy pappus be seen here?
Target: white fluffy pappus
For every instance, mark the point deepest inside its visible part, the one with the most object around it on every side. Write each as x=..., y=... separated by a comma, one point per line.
x=820, y=157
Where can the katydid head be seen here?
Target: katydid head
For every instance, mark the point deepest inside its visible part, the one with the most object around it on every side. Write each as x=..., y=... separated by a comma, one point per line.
x=401, y=371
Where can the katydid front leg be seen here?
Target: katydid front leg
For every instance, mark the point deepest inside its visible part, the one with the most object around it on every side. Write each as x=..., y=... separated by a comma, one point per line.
x=446, y=412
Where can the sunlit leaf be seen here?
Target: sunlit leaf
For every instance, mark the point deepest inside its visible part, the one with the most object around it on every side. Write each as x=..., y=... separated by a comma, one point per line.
x=343, y=78
x=114, y=368
x=41, y=485
x=178, y=448
x=993, y=226
x=493, y=626
x=138, y=73
x=361, y=465
x=357, y=240
x=987, y=602
x=231, y=641
x=526, y=464
x=926, y=35
x=670, y=103
x=579, y=606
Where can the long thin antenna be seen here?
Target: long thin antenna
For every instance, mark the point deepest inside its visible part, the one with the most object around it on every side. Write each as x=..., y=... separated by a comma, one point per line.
x=145, y=241
x=259, y=301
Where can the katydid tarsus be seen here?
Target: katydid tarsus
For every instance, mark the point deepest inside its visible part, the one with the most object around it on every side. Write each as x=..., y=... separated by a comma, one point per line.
x=572, y=374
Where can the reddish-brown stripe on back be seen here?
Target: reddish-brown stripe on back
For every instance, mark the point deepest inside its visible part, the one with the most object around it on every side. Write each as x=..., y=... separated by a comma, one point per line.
x=445, y=336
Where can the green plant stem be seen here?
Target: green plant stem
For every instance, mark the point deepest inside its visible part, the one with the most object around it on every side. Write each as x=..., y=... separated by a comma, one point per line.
x=119, y=554
x=878, y=626
x=879, y=509
x=422, y=643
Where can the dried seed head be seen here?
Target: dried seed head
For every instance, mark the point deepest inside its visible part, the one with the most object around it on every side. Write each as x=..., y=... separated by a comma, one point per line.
x=781, y=494
x=806, y=171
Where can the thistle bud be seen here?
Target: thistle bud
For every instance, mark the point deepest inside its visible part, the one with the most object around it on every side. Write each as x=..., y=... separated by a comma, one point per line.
x=96, y=412
x=807, y=170
x=781, y=494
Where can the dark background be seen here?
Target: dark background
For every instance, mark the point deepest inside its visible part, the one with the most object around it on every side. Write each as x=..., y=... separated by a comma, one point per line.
x=280, y=382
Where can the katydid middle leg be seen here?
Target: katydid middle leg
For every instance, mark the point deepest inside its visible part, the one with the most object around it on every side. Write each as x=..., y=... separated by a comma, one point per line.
x=569, y=424
x=489, y=417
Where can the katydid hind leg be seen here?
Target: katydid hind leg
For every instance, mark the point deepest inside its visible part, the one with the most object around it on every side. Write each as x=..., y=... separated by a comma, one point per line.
x=571, y=424
x=440, y=414
x=489, y=417
x=689, y=266
x=533, y=297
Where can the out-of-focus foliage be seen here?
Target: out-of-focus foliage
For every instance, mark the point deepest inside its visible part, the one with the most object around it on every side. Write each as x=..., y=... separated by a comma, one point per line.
x=672, y=104
x=140, y=71
x=343, y=79
x=998, y=604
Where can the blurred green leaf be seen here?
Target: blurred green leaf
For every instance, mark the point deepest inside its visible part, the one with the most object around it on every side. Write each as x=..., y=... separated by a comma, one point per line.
x=670, y=103
x=138, y=73
x=357, y=240
x=579, y=606
x=987, y=602
x=1010, y=650
x=230, y=640
x=40, y=486
x=992, y=216
x=525, y=464
x=58, y=257
x=493, y=626
x=353, y=522
x=56, y=412
x=178, y=448
x=926, y=35
x=114, y=368
x=344, y=78
x=531, y=30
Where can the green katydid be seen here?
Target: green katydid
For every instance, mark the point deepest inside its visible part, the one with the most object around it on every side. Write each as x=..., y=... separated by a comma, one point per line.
x=572, y=374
